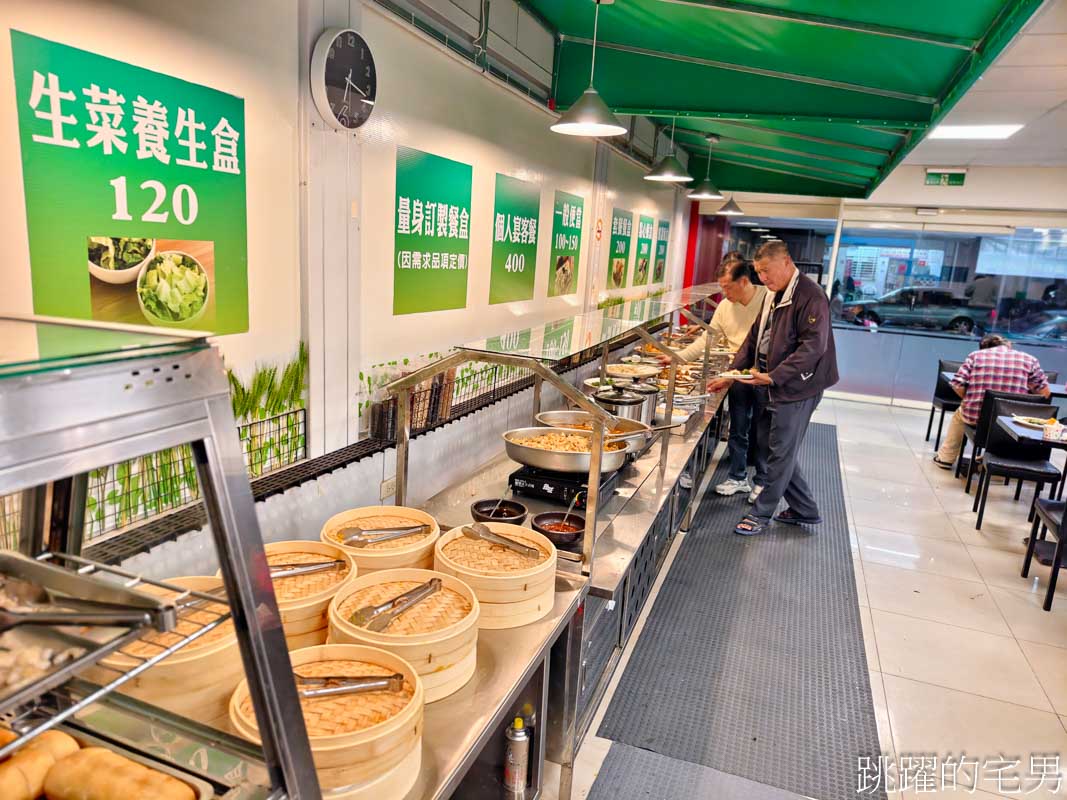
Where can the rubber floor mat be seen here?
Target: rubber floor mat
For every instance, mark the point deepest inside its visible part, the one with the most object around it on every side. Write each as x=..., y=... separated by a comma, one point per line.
x=632, y=774
x=751, y=661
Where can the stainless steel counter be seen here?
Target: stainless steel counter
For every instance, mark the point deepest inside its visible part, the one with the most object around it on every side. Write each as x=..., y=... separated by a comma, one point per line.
x=458, y=727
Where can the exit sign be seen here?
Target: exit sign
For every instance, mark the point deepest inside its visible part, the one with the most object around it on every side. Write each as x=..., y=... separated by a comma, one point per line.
x=945, y=178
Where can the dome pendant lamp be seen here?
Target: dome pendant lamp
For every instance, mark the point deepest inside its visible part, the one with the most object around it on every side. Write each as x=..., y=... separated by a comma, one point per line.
x=731, y=209
x=590, y=115
x=669, y=169
x=705, y=190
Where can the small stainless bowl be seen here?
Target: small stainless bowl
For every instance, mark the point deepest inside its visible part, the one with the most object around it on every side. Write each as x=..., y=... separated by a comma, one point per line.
x=510, y=511
x=552, y=517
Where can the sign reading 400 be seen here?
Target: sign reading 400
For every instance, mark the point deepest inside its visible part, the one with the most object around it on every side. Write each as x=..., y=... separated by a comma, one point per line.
x=129, y=172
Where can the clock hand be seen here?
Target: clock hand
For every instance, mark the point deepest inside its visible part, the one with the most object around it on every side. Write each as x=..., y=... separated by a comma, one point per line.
x=349, y=82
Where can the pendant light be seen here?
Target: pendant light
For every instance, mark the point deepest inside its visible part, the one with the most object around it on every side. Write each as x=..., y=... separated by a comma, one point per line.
x=669, y=169
x=731, y=209
x=590, y=115
x=705, y=190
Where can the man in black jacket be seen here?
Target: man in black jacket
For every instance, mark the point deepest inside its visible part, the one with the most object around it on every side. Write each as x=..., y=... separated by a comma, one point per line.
x=790, y=351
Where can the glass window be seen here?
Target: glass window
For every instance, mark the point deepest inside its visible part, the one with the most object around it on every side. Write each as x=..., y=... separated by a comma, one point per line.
x=951, y=281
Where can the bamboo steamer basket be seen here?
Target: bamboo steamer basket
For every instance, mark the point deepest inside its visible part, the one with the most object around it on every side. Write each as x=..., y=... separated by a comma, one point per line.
x=510, y=590
x=197, y=680
x=438, y=637
x=361, y=744
x=415, y=551
x=304, y=599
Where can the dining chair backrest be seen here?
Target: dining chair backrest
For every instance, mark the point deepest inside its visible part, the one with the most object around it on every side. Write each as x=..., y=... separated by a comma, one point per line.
x=1000, y=442
x=1053, y=377
x=987, y=416
x=943, y=389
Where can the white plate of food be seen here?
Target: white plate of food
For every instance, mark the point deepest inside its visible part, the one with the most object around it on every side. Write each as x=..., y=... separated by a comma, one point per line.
x=1038, y=423
x=633, y=370
x=737, y=374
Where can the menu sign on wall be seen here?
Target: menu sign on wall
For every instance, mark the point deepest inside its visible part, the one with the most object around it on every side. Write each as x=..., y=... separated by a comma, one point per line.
x=622, y=225
x=514, y=260
x=135, y=191
x=431, y=246
x=663, y=234
x=566, y=244
x=646, y=229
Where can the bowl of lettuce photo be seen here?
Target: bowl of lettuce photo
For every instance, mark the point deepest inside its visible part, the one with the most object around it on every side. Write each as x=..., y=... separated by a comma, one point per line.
x=172, y=289
x=118, y=259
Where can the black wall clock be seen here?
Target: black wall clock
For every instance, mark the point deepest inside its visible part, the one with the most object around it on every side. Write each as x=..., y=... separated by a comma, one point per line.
x=344, y=82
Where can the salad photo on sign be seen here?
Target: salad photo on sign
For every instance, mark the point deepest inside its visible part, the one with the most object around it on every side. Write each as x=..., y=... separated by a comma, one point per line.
x=135, y=191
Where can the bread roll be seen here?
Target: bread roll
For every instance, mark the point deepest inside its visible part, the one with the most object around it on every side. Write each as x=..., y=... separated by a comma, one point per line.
x=6, y=737
x=98, y=774
x=23, y=775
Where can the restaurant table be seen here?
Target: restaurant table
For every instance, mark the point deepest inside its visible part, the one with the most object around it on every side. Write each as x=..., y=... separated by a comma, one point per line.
x=1057, y=389
x=1044, y=550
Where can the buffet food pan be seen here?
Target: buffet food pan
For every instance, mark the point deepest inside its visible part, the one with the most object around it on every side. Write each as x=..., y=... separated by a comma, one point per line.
x=559, y=460
x=634, y=432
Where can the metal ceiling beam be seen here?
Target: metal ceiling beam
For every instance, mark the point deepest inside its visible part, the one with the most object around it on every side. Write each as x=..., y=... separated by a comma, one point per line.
x=806, y=154
x=780, y=162
x=738, y=117
x=765, y=73
x=738, y=162
x=888, y=131
x=816, y=139
x=819, y=20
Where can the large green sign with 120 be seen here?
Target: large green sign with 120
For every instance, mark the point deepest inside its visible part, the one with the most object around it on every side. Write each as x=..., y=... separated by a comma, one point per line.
x=622, y=226
x=514, y=259
x=663, y=235
x=566, y=244
x=431, y=248
x=135, y=191
x=646, y=230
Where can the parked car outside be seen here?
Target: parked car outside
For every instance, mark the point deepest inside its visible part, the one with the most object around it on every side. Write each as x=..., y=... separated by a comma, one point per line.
x=919, y=307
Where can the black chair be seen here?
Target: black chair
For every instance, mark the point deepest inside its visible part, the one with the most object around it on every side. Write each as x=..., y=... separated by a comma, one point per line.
x=945, y=398
x=1053, y=377
x=1048, y=515
x=1006, y=458
x=978, y=433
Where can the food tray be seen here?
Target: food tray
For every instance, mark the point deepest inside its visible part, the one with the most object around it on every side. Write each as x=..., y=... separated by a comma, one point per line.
x=201, y=788
x=440, y=610
x=558, y=461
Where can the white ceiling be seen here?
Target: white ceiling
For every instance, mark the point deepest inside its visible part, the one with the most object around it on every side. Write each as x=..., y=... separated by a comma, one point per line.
x=1027, y=84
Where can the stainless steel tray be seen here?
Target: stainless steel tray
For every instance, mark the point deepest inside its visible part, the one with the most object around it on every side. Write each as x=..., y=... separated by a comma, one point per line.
x=634, y=432
x=558, y=461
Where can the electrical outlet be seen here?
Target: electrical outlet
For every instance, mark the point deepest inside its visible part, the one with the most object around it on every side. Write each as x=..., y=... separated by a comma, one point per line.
x=388, y=488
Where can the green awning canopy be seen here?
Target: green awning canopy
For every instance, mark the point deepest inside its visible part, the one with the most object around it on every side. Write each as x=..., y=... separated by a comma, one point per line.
x=820, y=97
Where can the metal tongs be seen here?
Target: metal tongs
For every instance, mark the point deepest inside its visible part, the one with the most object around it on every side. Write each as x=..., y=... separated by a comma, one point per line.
x=478, y=530
x=377, y=618
x=330, y=685
x=42, y=606
x=291, y=570
x=355, y=536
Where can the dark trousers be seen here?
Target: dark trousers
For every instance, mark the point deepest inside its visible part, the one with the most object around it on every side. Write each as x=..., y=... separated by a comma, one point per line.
x=744, y=409
x=780, y=431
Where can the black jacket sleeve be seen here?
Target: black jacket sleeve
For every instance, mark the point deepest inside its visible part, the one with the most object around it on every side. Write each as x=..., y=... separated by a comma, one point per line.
x=812, y=324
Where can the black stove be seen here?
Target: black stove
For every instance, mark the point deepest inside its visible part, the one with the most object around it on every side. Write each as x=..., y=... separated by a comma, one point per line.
x=560, y=487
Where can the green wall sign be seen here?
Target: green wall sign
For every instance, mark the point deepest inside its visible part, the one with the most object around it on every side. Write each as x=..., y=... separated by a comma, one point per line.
x=646, y=231
x=566, y=244
x=945, y=178
x=514, y=261
x=431, y=247
x=622, y=225
x=663, y=235
x=135, y=191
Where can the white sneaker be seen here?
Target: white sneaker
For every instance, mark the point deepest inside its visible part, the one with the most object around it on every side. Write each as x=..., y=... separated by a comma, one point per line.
x=753, y=496
x=732, y=486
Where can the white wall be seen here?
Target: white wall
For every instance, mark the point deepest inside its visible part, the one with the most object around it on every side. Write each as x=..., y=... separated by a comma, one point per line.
x=221, y=45
x=1037, y=188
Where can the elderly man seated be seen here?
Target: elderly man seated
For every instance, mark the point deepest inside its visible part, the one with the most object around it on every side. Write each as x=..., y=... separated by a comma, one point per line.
x=995, y=366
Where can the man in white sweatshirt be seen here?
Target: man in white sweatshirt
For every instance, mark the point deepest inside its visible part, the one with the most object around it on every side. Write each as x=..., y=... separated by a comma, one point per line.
x=730, y=324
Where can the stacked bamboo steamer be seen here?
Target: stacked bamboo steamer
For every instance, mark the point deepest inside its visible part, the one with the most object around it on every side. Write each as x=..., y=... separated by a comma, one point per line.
x=512, y=589
x=415, y=551
x=197, y=680
x=370, y=743
x=438, y=636
x=304, y=599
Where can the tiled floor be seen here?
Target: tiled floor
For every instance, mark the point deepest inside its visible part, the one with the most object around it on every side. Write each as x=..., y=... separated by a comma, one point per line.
x=963, y=659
